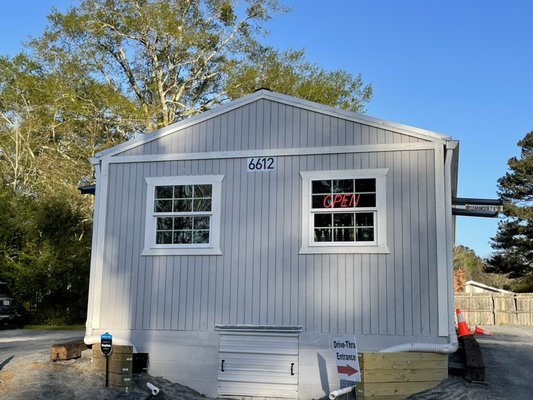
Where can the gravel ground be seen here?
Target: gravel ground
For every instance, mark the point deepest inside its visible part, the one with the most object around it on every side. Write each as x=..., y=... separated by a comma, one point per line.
x=29, y=374
x=34, y=376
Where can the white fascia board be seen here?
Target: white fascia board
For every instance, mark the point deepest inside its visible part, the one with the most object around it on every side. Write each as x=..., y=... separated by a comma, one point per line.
x=281, y=98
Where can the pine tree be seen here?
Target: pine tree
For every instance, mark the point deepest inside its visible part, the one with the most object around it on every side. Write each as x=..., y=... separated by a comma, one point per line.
x=514, y=240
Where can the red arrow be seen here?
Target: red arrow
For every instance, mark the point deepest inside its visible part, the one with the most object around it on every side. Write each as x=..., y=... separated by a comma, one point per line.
x=348, y=370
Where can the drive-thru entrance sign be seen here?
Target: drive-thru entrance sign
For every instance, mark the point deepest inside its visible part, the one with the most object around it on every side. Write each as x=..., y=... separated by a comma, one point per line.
x=346, y=356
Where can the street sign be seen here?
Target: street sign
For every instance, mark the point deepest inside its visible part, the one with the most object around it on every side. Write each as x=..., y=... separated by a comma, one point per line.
x=106, y=343
x=477, y=207
x=346, y=356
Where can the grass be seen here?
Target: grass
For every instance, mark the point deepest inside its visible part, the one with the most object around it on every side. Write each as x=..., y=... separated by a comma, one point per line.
x=55, y=327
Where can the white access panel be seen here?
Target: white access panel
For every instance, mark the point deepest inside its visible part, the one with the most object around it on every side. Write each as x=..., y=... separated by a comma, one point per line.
x=258, y=365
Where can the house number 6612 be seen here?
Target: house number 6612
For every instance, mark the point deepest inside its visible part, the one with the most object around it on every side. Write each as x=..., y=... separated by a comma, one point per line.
x=261, y=164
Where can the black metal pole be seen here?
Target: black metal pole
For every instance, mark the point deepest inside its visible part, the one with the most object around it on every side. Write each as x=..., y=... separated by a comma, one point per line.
x=106, y=371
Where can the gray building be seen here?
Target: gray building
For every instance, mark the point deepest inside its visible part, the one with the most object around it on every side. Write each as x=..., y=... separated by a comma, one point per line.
x=233, y=245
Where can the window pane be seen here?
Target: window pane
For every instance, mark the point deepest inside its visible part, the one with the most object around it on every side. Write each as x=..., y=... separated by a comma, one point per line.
x=344, y=234
x=181, y=223
x=323, y=235
x=202, y=190
x=163, y=238
x=321, y=186
x=343, y=186
x=183, y=205
x=365, y=234
x=163, y=192
x=163, y=206
x=366, y=200
x=322, y=220
x=343, y=219
x=183, y=191
x=365, y=185
x=201, y=222
x=201, y=236
x=183, y=237
x=321, y=201
x=202, y=205
x=164, y=224
x=364, y=219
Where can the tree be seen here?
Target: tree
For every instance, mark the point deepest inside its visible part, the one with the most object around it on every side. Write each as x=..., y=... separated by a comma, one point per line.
x=514, y=239
x=51, y=122
x=174, y=59
x=467, y=260
x=169, y=58
x=289, y=73
x=44, y=256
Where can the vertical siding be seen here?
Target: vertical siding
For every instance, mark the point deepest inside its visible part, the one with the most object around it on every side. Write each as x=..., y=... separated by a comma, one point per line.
x=261, y=278
x=266, y=124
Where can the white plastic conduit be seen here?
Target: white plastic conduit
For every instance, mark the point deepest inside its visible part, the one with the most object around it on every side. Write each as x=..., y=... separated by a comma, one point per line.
x=340, y=392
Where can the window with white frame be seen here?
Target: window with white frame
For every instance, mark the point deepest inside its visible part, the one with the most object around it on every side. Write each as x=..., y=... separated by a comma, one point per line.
x=183, y=215
x=344, y=211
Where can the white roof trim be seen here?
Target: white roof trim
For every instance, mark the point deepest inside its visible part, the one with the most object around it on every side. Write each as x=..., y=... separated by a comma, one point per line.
x=486, y=287
x=281, y=98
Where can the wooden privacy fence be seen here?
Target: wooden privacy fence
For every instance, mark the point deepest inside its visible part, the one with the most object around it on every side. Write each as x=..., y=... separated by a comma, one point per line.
x=496, y=308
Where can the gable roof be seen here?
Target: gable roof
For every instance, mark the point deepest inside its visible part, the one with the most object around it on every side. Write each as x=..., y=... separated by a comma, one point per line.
x=280, y=98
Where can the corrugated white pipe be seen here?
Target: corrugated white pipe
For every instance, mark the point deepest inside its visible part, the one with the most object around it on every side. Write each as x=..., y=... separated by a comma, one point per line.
x=445, y=348
x=340, y=392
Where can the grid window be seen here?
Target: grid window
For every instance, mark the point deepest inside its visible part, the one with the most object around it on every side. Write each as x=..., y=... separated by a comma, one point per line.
x=343, y=210
x=183, y=214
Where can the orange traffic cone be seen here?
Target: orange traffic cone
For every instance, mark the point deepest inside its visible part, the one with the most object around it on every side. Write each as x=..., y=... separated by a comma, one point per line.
x=463, y=327
x=479, y=331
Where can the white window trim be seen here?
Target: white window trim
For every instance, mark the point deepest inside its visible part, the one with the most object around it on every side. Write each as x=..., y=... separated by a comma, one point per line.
x=211, y=248
x=380, y=243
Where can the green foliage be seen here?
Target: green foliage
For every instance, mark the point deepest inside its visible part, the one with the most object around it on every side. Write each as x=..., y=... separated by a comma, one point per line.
x=514, y=240
x=467, y=260
x=45, y=256
x=289, y=73
x=168, y=58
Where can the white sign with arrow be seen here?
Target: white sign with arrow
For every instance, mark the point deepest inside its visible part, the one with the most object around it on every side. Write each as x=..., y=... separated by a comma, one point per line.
x=346, y=355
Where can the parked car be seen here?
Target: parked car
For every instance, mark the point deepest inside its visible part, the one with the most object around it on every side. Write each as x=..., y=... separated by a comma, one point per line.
x=8, y=312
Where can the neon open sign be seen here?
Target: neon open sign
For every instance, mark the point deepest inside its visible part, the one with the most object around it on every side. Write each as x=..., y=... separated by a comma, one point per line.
x=345, y=200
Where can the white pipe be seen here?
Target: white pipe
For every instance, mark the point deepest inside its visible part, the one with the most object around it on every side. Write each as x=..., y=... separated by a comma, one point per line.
x=152, y=388
x=340, y=392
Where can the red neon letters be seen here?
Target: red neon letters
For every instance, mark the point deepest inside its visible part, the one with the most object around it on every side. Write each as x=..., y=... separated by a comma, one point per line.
x=341, y=200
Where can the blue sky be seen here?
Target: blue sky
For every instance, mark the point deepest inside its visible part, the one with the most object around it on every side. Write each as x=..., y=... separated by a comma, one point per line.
x=458, y=67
